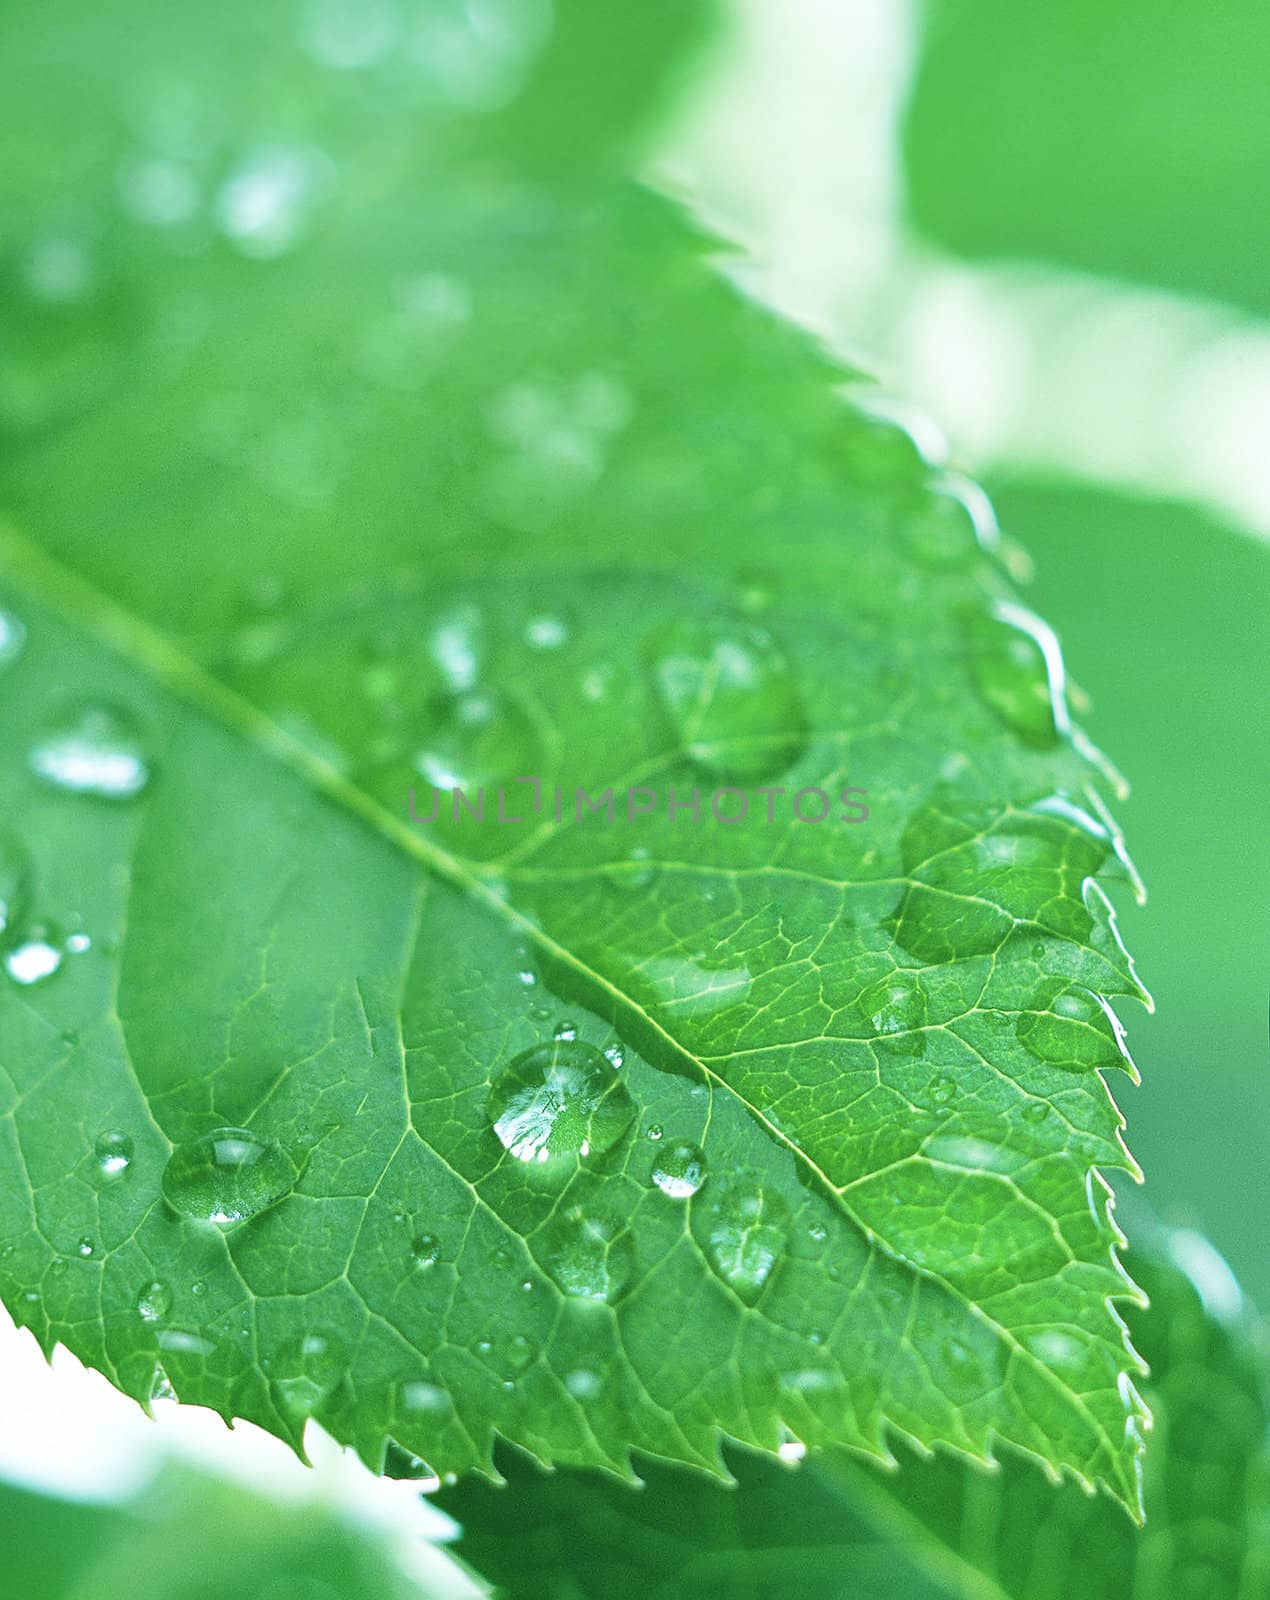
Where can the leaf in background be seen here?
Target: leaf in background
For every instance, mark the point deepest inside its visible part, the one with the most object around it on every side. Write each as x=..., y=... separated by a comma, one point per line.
x=936, y=1527
x=384, y=459
x=1129, y=140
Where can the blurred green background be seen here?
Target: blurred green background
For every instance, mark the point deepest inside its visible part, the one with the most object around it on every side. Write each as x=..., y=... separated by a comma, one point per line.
x=1047, y=225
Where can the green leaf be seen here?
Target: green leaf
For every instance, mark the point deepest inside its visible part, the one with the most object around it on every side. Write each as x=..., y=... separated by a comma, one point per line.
x=1136, y=139
x=189, y=1537
x=816, y=1107
x=936, y=1528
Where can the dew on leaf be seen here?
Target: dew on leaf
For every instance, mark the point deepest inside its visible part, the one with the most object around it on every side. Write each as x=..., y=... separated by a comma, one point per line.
x=476, y=739
x=742, y=1226
x=227, y=1176
x=952, y=523
x=426, y=1250
x=589, y=1257
x=680, y=1171
x=15, y=886
x=85, y=1247
x=942, y=1089
x=730, y=697
x=1018, y=669
x=582, y=1383
x=557, y=1100
x=421, y=1396
x=307, y=1370
x=1035, y=1111
x=896, y=1009
x=404, y=1464
x=36, y=956
x=92, y=748
x=154, y=1302
x=546, y=632
x=566, y=1030
x=112, y=1153
x=1076, y=1031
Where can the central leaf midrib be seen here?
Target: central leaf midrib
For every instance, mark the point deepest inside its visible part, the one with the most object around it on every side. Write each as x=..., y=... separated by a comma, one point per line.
x=136, y=641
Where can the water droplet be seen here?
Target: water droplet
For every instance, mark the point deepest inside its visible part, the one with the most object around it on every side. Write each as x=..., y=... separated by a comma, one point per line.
x=429, y=1398
x=199, y=1289
x=37, y=956
x=655, y=1132
x=154, y=1302
x=519, y=1352
x=615, y=1056
x=566, y=1030
x=85, y=1247
x=112, y=1152
x=1035, y=1111
x=477, y=739
x=582, y=1383
x=942, y=1089
x=546, y=632
x=557, y=1100
x=426, y=1250
x=15, y=886
x=1076, y=1032
x=589, y=1257
x=1018, y=669
x=680, y=1171
x=266, y=205
x=91, y=748
x=404, y=1464
x=887, y=443
x=12, y=638
x=953, y=523
x=77, y=943
x=307, y=1370
x=742, y=1226
x=730, y=696
x=896, y=1008
x=227, y=1176
x=817, y=1233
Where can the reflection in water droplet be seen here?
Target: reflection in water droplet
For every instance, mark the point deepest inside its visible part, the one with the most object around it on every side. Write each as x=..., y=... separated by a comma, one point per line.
x=92, y=748
x=112, y=1152
x=742, y=1226
x=589, y=1257
x=559, y=1100
x=266, y=204
x=477, y=740
x=154, y=1302
x=227, y=1176
x=680, y=1171
x=1018, y=669
x=12, y=637
x=15, y=886
x=730, y=696
x=307, y=1370
x=36, y=956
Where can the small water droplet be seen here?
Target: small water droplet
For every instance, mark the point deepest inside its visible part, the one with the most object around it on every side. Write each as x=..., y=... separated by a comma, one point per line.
x=85, y=1247
x=730, y=697
x=589, y=1257
x=92, y=748
x=742, y=1226
x=655, y=1132
x=1035, y=1111
x=558, y=1100
x=36, y=956
x=307, y=1370
x=566, y=1030
x=112, y=1152
x=426, y=1249
x=477, y=739
x=942, y=1089
x=519, y=1352
x=199, y=1288
x=953, y=522
x=227, y=1176
x=404, y=1464
x=817, y=1233
x=15, y=886
x=582, y=1383
x=77, y=943
x=500, y=1257
x=896, y=1008
x=154, y=1302
x=680, y=1171
x=546, y=632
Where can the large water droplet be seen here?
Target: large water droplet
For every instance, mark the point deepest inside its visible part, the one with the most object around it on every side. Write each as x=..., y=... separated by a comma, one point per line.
x=742, y=1226
x=307, y=1370
x=477, y=739
x=227, y=1176
x=15, y=886
x=589, y=1257
x=680, y=1171
x=561, y=1099
x=896, y=1009
x=730, y=695
x=36, y=956
x=154, y=1302
x=1076, y=1031
x=92, y=749
x=1018, y=669
x=112, y=1153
